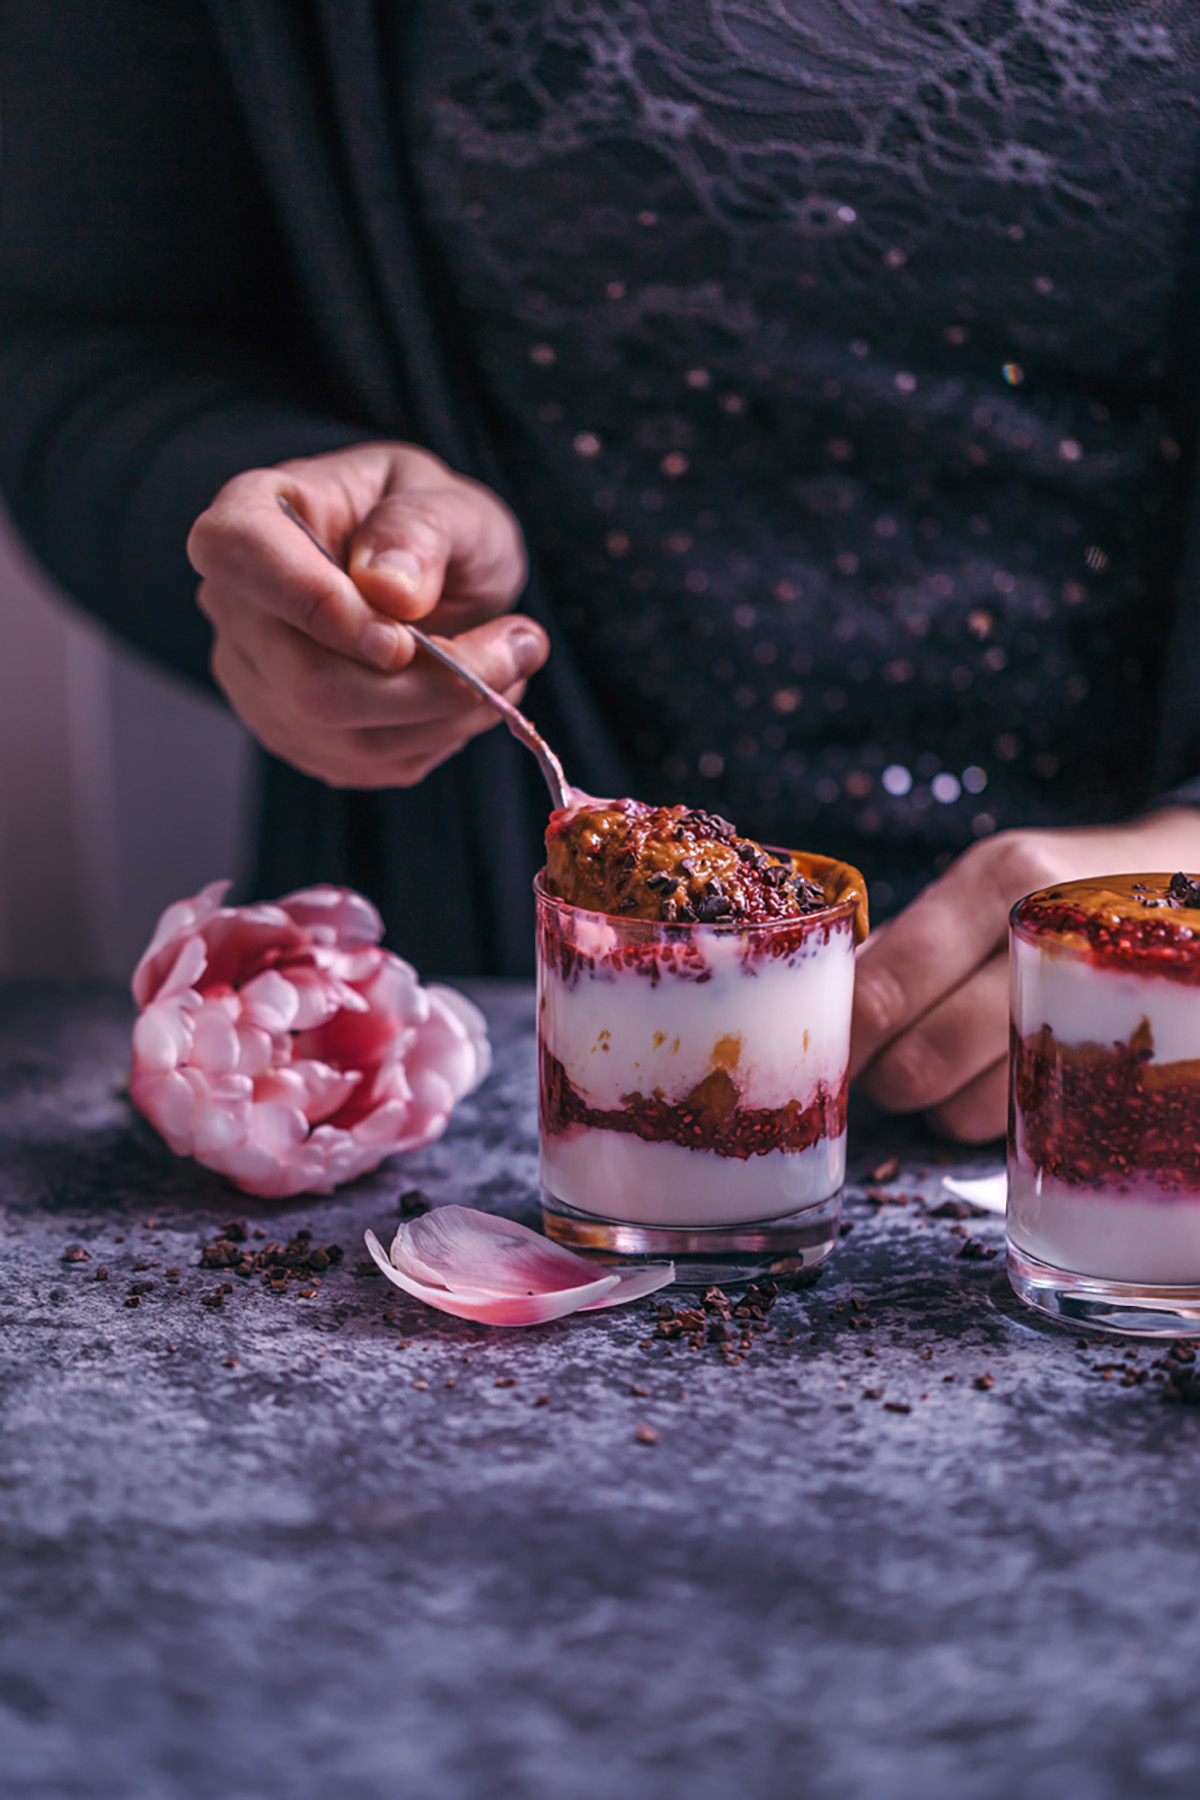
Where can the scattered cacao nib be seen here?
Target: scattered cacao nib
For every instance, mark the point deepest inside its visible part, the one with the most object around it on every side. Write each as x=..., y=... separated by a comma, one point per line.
x=366, y=1269
x=133, y=1300
x=236, y=1230
x=953, y=1209
x=144, y=1265
x=231, y=1362
x=716, y=1300
x=141, y=1287
x=646, y=1434
x=413, y=1203
x=872, y=1393
x=984, y=1382
x=900, y=1406
x=299, y=1260
x=102, y=1273
x=846, y=1227
x=975, y=1251
x=505, y=1381
x=542, y=1400
x=75, y=1253
x=886, y=1170
x=878, y=1197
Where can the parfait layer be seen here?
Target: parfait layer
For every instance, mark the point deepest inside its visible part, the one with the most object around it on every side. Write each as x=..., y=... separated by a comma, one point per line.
x=693, y=1069
x=1104, y=1142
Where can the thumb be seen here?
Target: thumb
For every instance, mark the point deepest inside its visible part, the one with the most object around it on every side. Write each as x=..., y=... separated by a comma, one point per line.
x=452, y=541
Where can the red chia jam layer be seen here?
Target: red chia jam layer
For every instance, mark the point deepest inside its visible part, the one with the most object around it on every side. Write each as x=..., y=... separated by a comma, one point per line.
x=1147, y=924
x=1097, y=1117
x=670, y=951
x=709, y=1118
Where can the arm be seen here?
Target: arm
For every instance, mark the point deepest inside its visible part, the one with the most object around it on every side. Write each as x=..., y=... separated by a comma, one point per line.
x=153, y=352
x=148, y=344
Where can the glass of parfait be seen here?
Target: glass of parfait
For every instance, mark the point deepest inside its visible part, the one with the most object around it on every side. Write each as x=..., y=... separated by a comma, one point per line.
x=1104, y=1118
x=693, y=1075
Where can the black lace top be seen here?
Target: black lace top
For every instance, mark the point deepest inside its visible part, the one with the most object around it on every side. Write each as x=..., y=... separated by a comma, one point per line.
x=831, y=341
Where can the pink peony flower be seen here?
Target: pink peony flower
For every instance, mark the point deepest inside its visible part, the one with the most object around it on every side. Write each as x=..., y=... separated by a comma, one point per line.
x=477, y=1266
x=282, y=1046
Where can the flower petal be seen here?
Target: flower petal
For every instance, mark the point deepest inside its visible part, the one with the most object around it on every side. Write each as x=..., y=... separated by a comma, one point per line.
x=183, y=919
x=491, y=1308
x=270, y=1000
x=634, y=1283
x=458, y=1247
x=349, y=916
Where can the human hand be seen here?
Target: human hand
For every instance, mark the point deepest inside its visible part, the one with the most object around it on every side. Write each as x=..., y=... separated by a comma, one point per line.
x=318, y=664
x=930, y=1030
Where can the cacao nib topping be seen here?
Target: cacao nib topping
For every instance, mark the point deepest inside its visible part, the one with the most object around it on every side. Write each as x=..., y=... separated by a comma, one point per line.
x=673, y=864
x=1183, y=891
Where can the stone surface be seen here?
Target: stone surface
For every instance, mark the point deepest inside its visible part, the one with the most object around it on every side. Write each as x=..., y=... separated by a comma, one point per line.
x=341, y=1545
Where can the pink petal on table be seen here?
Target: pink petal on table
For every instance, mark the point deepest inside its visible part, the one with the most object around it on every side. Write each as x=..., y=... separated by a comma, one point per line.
x=491, y=1308
x=633, y=1283
x=349, y=916
x=455, y=1246
x=180, y=920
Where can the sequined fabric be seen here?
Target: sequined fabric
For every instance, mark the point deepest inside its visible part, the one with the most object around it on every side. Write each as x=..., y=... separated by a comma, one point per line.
x=830, y=342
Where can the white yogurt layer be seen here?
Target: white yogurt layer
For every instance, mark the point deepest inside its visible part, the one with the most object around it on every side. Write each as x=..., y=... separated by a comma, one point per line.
x=1085, y=1004
x=1144, y=1235
x=778, y=1025
x=614, y=1175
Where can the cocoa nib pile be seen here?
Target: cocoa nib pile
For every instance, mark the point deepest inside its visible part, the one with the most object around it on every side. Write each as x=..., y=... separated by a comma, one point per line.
x=672, y=864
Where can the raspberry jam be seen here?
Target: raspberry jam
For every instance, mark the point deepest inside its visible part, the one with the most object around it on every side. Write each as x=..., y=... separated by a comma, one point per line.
x=1104, y=1123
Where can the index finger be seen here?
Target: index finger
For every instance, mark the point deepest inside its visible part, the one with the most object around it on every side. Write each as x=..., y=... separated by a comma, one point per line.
x=930, y=949
x=246, y=542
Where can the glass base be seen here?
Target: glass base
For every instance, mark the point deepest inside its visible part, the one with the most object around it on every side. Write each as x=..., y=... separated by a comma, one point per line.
x=791, y=1246
x=1132, y=1308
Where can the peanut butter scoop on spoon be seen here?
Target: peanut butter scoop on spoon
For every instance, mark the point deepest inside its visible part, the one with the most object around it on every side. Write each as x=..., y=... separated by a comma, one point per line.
x=523, y=729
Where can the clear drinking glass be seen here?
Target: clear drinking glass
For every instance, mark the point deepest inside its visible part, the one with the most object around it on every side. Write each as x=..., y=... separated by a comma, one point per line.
x=1104, y=1118
x=692, y=1083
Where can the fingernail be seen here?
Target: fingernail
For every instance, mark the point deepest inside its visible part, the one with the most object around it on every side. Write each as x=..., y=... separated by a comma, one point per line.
x=527, y=651
x=399, y=565
x=378, y=644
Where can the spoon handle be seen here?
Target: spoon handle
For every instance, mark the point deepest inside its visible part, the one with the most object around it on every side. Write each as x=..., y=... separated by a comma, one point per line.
x=523, y=729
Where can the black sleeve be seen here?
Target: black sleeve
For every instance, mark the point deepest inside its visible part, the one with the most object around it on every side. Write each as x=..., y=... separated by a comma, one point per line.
x=150, y=344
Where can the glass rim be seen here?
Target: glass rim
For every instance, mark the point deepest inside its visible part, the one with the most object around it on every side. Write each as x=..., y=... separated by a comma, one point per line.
x=837, y=910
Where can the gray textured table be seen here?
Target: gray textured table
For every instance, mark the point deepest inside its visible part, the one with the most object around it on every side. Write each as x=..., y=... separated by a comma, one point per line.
x=339, y=1546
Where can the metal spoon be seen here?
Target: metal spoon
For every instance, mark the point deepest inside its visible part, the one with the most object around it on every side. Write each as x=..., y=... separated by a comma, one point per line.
x=523, y=729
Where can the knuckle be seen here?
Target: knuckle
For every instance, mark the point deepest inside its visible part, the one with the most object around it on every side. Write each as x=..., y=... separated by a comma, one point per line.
x=907, y=1076
x=879, y=1001
x=1021, y=861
